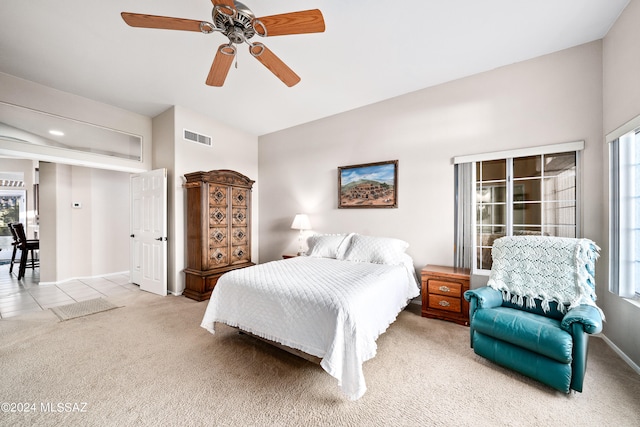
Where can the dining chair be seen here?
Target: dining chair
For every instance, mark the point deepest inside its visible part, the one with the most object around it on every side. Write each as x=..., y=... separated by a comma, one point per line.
x=26, y=246
x=15, y=244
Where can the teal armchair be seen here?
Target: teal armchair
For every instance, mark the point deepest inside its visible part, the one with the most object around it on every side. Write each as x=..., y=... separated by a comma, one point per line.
x=531, y=327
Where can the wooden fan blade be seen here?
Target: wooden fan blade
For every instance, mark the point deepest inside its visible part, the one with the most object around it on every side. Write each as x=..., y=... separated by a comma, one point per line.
x=221, y=64
x=274, y=64
x=306, y=21
x=226, y=6
x=162, y=22
x=228, y=3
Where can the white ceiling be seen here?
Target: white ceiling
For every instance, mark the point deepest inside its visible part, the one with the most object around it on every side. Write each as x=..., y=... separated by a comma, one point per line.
x=371, y=50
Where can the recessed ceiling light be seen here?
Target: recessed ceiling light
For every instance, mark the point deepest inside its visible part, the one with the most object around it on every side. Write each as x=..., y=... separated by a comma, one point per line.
x=56, y=132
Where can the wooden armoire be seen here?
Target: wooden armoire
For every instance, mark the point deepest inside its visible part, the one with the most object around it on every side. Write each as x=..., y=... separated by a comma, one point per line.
x=218, y=228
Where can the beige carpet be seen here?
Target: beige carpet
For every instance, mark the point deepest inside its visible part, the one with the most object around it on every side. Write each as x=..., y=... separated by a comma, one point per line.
x=149, y=363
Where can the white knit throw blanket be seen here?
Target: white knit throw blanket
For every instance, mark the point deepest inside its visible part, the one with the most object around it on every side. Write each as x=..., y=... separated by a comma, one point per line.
x=547, y=268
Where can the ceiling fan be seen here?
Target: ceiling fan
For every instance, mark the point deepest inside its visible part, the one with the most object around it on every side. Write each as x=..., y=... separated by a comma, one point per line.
x=239, y=24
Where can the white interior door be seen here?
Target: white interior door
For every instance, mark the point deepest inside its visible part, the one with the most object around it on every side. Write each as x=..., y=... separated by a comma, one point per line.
x=149, y=231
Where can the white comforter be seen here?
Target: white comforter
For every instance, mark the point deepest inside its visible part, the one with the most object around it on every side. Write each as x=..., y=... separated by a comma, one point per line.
x=331, y=309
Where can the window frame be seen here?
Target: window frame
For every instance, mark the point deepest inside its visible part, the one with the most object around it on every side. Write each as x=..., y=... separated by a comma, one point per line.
x=576, y=146
x=629, y=130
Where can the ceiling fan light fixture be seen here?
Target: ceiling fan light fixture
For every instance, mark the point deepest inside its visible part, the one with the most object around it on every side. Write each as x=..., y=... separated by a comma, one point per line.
x=236, y=35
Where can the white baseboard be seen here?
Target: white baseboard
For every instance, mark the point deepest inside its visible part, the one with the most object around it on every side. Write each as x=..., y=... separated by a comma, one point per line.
x=126, y=273
x=620, y=353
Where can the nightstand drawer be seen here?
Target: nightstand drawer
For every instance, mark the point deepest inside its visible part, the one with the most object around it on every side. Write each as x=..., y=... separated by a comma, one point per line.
x=445, y=303
x=439, y=287
x=442, y=293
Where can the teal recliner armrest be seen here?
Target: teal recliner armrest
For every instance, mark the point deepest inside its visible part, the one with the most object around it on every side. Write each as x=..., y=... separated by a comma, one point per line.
x=484, y=297
x=579, y=322
x=585, y=316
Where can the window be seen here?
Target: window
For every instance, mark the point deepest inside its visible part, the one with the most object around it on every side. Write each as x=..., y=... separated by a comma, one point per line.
x=624, y=214
x=530, y=191
x=533, y=195
x=12, y=209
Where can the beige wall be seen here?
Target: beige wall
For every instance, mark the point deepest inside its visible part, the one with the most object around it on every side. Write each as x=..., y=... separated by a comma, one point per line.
x=552, y=99
x=231, y=149
x=621, y=64
x=621, y=95
x=110, y=225
x=89, y=241
x=53, y=222
x=23, y=93
x=163, y=155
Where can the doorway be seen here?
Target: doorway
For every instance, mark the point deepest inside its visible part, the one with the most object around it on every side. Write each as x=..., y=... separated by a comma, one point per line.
x=12, y=209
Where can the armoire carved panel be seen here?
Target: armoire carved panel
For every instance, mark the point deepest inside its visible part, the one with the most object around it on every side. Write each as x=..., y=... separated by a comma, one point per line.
x=218, y=228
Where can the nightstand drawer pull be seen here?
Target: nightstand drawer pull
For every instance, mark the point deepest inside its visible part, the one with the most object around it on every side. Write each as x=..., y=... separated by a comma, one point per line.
x=439, y=302
x=441, y=287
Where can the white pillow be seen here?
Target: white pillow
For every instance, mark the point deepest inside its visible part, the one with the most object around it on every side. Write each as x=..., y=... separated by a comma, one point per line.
x=377, y=250
x=342, y=248
x=326, y=245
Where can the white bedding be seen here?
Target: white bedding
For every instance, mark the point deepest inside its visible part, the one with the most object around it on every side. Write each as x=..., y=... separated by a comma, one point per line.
x=331, y=309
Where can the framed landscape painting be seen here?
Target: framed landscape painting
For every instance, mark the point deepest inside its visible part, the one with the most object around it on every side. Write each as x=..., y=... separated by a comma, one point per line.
x=371, y=185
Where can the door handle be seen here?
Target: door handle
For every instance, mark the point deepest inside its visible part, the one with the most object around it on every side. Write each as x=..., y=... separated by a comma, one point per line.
x=161, y=239
x=132, y=235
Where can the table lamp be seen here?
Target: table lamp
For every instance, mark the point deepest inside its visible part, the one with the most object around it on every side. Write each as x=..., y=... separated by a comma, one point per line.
x=301, y=222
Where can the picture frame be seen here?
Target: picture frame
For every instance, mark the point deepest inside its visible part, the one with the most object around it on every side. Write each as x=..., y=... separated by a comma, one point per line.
x=369, y=185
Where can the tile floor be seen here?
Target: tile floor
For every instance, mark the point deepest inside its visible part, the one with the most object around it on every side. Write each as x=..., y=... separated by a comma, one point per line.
x=27, y=295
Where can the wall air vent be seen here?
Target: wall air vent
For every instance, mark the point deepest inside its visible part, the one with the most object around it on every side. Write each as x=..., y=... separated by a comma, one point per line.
x=197, y=137
x=11, y=183
x=12, y=179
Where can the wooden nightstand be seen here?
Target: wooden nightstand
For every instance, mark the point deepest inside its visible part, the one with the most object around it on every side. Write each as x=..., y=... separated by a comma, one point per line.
x=287, y=256
x=442, y=289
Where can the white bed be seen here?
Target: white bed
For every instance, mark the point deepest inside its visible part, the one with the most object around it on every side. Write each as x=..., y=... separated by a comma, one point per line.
x=332, y=306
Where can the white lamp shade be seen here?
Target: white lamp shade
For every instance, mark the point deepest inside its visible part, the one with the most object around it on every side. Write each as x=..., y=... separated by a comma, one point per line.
x=301, y=222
